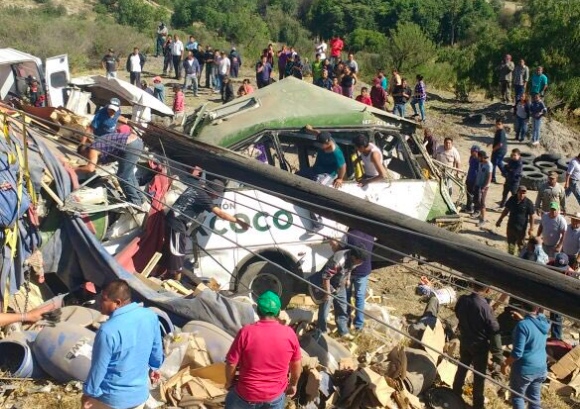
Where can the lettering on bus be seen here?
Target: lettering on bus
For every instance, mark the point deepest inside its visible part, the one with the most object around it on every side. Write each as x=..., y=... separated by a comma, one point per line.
x=261, y=221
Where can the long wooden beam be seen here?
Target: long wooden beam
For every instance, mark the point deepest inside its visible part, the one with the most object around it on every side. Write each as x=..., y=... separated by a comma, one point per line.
x=493, y=267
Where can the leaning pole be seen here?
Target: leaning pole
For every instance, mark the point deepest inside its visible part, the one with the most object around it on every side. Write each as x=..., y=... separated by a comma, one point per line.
x=522, y=278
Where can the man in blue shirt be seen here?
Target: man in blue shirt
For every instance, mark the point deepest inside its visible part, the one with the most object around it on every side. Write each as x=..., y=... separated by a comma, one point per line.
x=263, y=72
x=329, y=162
x=127, y=351
x=528, y=357
x=539, y=82
x=106, y=118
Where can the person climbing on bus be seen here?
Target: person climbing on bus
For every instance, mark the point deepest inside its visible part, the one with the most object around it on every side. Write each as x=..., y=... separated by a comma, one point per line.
x=372, y=160
x=186, y=216
x=124, y=147
x=330, y=163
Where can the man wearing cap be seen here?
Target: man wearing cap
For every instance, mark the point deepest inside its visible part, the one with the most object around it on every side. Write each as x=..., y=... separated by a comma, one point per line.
x=552, y=229
x=551, y=192
x=571, y=245
x=105, y=120
x=124, y=147
x=560, y=262
x=158, y=89
x=378, y=94
x=521, y=220
x=263, y=353
x=330, y=162
x=572, y=185
x=186, y=216
x=109, y=63
x=482, y=183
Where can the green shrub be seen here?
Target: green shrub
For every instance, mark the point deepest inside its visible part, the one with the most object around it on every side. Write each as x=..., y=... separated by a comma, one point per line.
x=367, y=40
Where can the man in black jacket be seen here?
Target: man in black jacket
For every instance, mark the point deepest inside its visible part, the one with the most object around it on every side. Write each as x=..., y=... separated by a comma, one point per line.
x=135, y=66
x=479, y=335
x=512, y=172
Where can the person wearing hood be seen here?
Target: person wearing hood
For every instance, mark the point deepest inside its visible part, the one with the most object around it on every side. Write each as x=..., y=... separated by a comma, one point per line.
x=528, y=357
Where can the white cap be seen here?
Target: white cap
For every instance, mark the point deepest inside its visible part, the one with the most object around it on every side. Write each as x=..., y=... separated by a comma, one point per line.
x=113, y=107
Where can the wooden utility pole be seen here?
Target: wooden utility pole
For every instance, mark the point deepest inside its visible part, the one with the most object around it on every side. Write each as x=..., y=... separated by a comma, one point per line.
x=520, y=277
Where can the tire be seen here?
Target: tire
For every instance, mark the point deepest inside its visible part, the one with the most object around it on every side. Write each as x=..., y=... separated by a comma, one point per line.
x=262, y=276
x=545, y=166
x=533, y=180
x=550, y=157
x=563, y=163
x=527, y=158
x=529, y=168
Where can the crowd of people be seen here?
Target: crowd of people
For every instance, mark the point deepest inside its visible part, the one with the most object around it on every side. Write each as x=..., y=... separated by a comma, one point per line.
x=328, y=70
x=529, y=94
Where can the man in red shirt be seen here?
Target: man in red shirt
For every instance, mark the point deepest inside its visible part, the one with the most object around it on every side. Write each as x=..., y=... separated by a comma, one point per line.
x=336, y=46
x=263, y=353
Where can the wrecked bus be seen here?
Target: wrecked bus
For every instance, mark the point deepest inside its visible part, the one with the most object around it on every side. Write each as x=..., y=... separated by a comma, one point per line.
x=17, y=67
x=270, y=123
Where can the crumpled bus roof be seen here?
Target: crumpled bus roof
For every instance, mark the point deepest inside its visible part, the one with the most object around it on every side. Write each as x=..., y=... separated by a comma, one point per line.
x=11, y=56
x=290, y=104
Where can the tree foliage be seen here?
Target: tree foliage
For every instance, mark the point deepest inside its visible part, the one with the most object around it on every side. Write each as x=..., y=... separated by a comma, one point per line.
x=409, y=47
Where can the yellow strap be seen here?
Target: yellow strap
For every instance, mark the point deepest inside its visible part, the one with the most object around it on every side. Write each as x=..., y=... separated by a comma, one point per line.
x=31, y=191
x=12, y=234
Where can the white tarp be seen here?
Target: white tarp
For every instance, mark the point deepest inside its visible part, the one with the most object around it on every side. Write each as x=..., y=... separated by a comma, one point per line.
x=104, y=89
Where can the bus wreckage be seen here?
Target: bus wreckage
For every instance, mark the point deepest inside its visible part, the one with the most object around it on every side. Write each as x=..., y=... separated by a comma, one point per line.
x=65, y=238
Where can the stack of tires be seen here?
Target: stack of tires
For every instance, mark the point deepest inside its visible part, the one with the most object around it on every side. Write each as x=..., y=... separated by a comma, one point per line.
x=536, y=169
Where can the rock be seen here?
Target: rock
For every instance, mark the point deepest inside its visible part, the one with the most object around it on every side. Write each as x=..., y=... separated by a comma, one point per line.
x=475, y=119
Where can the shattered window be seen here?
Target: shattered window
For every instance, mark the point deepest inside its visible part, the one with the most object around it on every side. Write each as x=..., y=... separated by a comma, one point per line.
x=395, y=159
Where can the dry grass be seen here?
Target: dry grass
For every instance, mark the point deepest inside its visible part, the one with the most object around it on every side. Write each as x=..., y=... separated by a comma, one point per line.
x=40, y=394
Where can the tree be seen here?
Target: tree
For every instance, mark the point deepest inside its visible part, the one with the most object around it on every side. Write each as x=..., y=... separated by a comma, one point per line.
x=367, y=40
x=409, y=47
x=139, y=14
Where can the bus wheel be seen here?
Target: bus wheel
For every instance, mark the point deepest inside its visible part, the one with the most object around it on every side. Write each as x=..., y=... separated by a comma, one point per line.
x=263, y=276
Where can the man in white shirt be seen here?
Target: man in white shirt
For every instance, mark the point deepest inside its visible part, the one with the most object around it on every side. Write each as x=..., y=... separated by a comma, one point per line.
x=135, y=64
x=321, y=49
x=352, y=64
x=224, y=67
x=572, y=184
x=177, y=50
x=449, y=156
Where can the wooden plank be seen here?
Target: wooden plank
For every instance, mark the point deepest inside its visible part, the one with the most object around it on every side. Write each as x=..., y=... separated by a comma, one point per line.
x=151, y=264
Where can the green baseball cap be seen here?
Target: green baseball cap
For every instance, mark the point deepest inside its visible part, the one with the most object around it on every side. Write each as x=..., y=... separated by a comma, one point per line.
x=554, y=206
x=269, y=304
